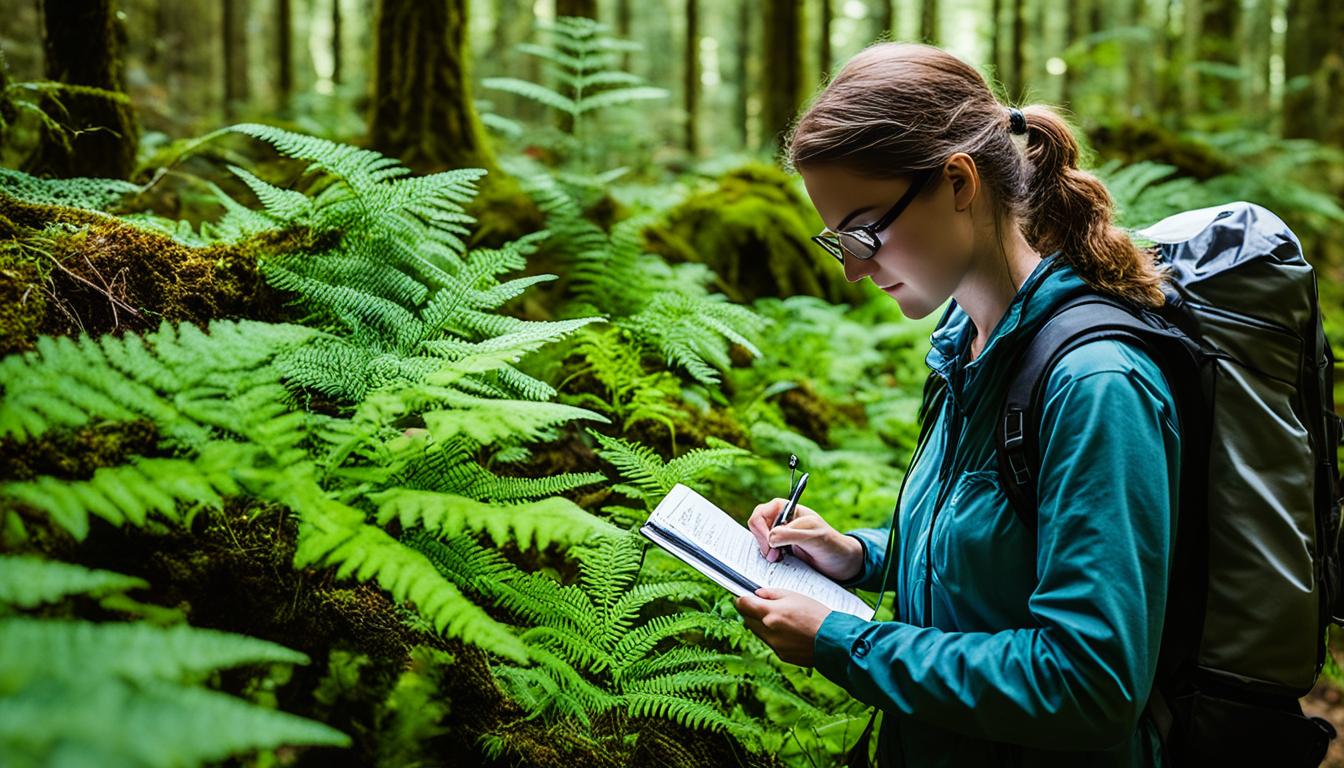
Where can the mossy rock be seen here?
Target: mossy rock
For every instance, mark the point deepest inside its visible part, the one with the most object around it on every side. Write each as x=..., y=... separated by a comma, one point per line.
x=753, y=228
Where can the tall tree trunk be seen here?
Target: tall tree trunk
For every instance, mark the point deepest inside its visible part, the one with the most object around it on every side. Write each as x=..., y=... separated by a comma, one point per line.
x=885, y=18
x=623, y=13
x=237, y=80
x=1314, y=70
x=746, y=29
x=1140, y=65
x=1080, y=17
x=928, y=21
x=691, y=76
x=1017, y=69
x=785, y=36
x=824, y=38
x=336, y=53
x=1219, y=36
x=284, y=83
x=996, y=38
x=82, y=47
x=576, y=8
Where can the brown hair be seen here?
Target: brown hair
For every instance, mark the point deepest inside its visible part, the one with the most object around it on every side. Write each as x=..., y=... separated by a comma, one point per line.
x=895, y=108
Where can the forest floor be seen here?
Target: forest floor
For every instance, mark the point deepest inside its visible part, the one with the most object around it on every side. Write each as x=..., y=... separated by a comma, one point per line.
x=1326, y=700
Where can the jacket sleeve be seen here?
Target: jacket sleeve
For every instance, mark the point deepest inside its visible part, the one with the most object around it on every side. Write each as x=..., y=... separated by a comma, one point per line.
x=874, y=542
x=1079, y=678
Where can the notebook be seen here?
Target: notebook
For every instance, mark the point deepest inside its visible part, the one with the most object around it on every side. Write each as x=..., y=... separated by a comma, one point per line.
x=706, y=538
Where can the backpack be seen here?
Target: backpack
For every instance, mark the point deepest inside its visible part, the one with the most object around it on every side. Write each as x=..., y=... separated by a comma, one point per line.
x=1256, y=579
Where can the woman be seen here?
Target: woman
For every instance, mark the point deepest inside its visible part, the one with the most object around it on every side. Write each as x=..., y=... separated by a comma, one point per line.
x=1009, y=647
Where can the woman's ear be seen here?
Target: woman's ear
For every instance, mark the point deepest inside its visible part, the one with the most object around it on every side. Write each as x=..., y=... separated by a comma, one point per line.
x=965, y=179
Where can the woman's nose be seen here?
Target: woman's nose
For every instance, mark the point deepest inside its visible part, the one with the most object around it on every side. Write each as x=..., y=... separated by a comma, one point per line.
x=857, y=269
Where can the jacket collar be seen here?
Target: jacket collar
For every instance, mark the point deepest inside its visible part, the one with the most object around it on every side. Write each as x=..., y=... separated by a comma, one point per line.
x=1050, y=284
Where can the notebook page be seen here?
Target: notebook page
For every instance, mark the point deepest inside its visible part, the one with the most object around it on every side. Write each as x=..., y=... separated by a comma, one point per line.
x=697, y=519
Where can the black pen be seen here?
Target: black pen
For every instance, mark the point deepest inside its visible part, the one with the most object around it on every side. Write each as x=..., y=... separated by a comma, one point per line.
x=789, y=507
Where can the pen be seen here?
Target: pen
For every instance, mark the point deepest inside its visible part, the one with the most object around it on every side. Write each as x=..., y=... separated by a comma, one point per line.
x=787, y=514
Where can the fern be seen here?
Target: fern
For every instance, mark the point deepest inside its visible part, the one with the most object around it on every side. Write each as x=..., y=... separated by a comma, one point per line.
x=592, y=654
x=580, y=61
x=27, y=581
x=85, y=193
x=667, y=309
x=72, y=690
x=650, y=479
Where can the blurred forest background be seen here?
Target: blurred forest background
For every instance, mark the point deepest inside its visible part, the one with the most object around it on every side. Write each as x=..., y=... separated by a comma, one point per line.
x=294, y=474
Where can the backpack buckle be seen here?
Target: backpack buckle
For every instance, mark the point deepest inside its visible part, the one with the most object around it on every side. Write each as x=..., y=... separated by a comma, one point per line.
x=1012, y=430
x=1018, y=464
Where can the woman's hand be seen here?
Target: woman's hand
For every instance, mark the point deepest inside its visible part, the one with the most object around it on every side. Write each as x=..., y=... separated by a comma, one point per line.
x=786, y=620
x=814, y=541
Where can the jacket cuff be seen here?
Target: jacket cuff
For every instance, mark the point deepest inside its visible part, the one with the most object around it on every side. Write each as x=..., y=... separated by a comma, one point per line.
x=839, y=639
x=874, y=542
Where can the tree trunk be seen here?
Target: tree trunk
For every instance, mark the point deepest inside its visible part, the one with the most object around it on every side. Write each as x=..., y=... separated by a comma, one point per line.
x=422, y=98
x=824, y=39
x=336, y=53
x=1080, y=17
x=785, y=36
x=886, y=20
x=1313, y=70
x=691, y=76
x=1219, y=40
x=576, y=8
x=284, y=83
x=82, y=47
x=1017, y=68
x=928, y=21
x=746, y=28
x=996, y=38
x=237, y=83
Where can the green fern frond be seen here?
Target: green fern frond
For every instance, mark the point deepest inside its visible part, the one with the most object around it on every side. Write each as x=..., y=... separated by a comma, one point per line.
x=182, y=378
x=540, y=523
x=27, y=581
x=652, y=479
x=32, y=649
x=88, y=721
x=335, y=534
x=130, y=493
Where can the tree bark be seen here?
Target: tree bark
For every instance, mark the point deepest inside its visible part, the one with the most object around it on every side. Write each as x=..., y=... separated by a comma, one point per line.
x=928, y=21
x=784, y=37
x=284, y=84
x=336, y=53
x=824, y=38
x=237, y=83
x=81, y=42
x=1017, y=69
x=576, y=8
x=422, y=102
x=691, y=76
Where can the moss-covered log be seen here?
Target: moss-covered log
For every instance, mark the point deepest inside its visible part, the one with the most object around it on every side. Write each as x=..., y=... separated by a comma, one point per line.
x=66, y=270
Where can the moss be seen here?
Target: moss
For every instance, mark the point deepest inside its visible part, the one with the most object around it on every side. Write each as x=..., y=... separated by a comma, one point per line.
x=84, y=271
x=753, y=228
x=75, y=454
x=1139, y=139
x=813, y=415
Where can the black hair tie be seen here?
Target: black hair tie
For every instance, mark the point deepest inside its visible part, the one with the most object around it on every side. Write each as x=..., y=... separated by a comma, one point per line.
x=1017, y=122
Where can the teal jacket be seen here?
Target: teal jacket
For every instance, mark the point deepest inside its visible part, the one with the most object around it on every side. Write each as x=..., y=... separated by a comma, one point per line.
x=1008, y=648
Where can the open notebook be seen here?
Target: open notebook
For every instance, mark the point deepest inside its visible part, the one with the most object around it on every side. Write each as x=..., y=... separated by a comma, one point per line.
x=690, y=527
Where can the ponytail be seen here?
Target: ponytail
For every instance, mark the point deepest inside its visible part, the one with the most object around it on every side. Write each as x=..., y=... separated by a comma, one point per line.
x=1070, y=210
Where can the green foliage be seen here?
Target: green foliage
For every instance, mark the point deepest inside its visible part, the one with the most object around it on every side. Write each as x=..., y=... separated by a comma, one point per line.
x=667, y=309
x=593, y=653
x=126, y=693
x=27, y=581
x=650, y=479
x=85, y=193
x=580, y=62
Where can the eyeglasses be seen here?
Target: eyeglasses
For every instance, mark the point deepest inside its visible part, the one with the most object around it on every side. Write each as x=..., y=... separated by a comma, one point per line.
x=863, y=242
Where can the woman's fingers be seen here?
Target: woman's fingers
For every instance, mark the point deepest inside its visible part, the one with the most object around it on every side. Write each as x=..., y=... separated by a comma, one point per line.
x=799, y=531
x=761, y=519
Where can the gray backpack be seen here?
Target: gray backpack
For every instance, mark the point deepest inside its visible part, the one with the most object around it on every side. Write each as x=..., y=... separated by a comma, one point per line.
x=1257, y=575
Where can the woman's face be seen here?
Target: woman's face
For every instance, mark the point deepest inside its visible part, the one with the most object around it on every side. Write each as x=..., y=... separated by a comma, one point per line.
x=926, y=250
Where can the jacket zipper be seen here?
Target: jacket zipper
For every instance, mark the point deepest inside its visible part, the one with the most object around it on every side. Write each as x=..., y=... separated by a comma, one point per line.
x=949, y=456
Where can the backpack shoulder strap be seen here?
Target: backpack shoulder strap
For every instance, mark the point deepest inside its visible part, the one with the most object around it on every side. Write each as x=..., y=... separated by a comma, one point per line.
x=1076, y=322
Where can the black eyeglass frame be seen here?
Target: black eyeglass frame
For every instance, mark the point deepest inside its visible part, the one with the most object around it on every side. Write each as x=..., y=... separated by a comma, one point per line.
x=869, y=234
